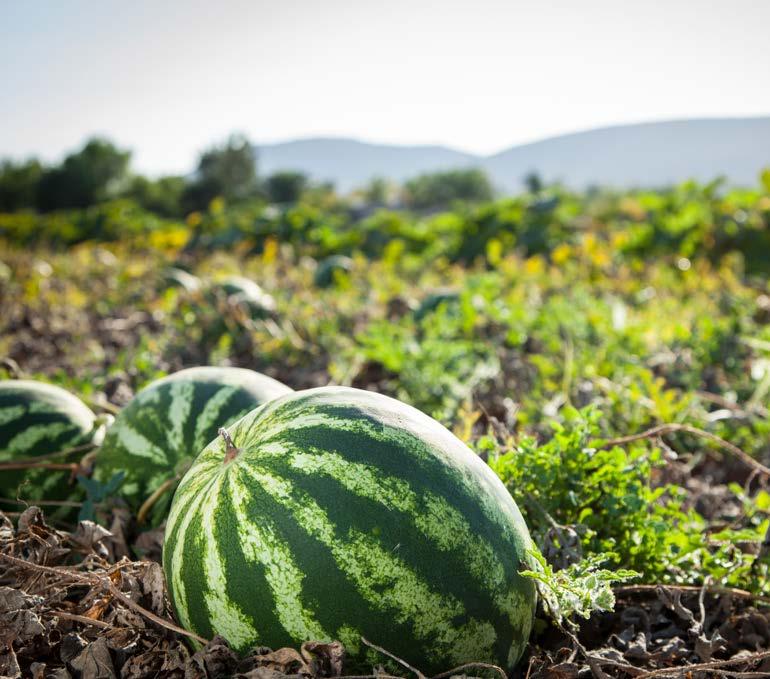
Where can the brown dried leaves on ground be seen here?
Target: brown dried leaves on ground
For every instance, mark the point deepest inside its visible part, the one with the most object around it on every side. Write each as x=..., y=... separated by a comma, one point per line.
x=658, y=631
x=72, y=604
x=69, y=609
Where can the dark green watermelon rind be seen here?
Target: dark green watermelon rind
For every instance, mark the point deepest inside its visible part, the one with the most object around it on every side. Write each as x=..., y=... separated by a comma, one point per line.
x=159, y=433
x=39, y=419
x=349, y=506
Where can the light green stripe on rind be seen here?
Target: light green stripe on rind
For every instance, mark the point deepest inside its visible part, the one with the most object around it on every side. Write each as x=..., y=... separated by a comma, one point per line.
x=40, y=408
x=383, y=579
x=11, y=413
x=470, y=606
x=137, y=443
x=181, y=396
x=271, y=426
x=433, y=516
x=260, y=544
x=166, y=425
x=183, y=510
x=226, y=617
x=27, y=440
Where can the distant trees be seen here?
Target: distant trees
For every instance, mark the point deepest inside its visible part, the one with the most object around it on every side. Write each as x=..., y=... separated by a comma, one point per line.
x=96, y=172
x=285, y=187
x=377, y=191
x=18, y=184
x=162, y=196
x=92, y=174
x=534, y=182
x=228, y=171
x=438, y=189
x=100, y=171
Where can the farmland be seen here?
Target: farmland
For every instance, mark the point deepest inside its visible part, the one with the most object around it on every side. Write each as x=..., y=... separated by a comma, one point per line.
x=606, y=353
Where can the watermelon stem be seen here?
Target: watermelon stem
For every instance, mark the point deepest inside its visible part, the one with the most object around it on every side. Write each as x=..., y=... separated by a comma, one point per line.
x=231, y=451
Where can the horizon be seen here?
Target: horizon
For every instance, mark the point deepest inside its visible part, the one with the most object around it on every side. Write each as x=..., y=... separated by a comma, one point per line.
x=568, y=133
x=168, y=81
x=376, y=143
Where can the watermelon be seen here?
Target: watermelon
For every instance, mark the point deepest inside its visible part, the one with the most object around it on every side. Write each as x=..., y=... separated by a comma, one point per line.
x=158, y=434
x=443, y=296
x=330, y=268
x=247, y=294
x=174, y=277
x=40, y=419
x=338, y=514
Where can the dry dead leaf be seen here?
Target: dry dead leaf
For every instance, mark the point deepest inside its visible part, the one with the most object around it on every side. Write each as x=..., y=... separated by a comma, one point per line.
x=9, y=664
x=149, y=544
x=71, y=646
x=283, y=660
x=94, y=661
x=324, y=659
x=215, y=659
x=18, y=624
x=90, y=537
x=154, y=586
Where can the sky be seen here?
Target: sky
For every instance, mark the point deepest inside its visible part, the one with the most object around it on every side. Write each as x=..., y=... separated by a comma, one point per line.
x=169, y=78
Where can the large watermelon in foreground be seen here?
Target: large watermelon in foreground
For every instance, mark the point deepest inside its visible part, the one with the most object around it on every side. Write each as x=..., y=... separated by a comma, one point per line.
x=341, y=513
x=40, y=419
x=164, y=427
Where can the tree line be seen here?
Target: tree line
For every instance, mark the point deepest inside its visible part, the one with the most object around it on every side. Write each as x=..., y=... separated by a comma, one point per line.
x=100, y=171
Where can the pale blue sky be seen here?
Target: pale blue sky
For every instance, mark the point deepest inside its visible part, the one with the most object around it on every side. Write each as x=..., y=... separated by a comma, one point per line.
x=166, y=78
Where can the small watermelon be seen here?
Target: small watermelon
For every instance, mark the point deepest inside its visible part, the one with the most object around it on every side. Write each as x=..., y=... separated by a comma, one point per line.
x=158, y=434
x=335, y=513
x=437, y=298
x=246, y=293
x=40, y=419
x=330, y=268
x=179, y=278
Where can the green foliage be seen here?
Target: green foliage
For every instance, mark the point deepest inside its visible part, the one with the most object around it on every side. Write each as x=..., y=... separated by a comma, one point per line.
x=97, y=493
x=332, y=270
x=603, y=494
x=510, y=317
x=534, y=182
x=161, y=196
x=436, y=369
x=377, y=191
x=110, y=221
x=440, y=189
x=600, y=231
x=578, y=590
x=89, y=176
x=607, y=496
x=228, y=171
x=285, y=187
x=18, y=184
x=434, y=356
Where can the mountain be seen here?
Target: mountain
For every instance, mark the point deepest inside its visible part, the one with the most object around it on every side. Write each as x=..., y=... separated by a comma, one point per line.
x=645, y=154
x=648, y=154
x=350, y=164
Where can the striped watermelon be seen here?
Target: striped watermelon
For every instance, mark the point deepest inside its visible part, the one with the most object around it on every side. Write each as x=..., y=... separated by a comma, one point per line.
x=158, y=434
x=344, y=514
x=330, y=268
x=39, y=419
x=174, y=277
x=246, y=293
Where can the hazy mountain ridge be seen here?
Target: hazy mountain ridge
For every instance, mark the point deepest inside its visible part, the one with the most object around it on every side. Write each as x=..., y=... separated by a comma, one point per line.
x=644, y=154
x=350, y=163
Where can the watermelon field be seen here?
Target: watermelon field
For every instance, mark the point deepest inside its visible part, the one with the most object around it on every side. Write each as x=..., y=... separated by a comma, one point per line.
x=527, y=437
